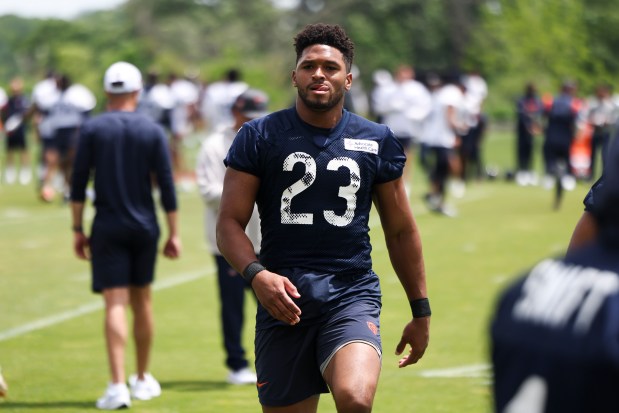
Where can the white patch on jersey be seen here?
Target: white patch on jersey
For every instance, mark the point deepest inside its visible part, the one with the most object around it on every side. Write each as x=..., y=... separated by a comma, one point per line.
x=361, y=145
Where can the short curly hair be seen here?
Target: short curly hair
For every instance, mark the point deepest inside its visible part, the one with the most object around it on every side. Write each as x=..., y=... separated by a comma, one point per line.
x=327, y=34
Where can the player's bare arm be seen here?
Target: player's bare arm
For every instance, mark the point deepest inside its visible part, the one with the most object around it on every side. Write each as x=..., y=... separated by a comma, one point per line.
x=173, y=246
x=585, y=231
x=404, y=246
x=80, y=240
x=237, y=202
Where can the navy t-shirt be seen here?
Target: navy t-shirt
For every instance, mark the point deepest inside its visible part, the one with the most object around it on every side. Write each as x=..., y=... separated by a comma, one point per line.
x=555, y=336
x=589, y=200
x=124, y=150
x=316, y=187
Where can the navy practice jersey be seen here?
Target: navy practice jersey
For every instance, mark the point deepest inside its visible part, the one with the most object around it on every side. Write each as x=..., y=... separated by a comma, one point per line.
x=316, y=187
x=125, y=150
x=555, y=337
x=589, y=200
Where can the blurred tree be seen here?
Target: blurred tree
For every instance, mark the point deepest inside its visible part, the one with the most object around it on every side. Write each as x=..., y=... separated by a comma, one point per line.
x=510, y=41
x=525, y=40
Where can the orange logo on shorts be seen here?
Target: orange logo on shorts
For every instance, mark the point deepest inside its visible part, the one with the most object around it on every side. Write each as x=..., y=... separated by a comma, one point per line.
x=373, y=328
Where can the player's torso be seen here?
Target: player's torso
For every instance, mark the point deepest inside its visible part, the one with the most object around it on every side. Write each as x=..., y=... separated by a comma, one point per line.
x=316, y=194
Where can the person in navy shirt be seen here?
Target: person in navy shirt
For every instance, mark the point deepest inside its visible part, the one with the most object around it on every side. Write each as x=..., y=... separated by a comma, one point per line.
x=12, y=116
x=126, y=151
x=555, y=334
x=314, y=171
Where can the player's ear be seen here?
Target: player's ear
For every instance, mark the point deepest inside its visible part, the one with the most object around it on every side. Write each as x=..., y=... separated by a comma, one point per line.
x=293, y=77
x=348, y=83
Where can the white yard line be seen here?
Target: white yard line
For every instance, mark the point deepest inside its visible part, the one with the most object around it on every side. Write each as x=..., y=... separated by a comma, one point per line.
x=472, y=370
x=16, y=216
x=94, y=306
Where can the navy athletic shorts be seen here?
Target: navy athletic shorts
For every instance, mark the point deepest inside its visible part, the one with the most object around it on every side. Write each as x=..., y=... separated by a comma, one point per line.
x=290, y=360
x=122, y=257
x=16, y=140
x=64, y=141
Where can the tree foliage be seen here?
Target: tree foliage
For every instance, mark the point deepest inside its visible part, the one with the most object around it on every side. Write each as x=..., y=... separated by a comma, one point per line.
x=509, y=41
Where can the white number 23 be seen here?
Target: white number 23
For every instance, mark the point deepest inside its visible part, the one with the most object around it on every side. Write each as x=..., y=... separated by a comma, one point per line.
x=346, y=192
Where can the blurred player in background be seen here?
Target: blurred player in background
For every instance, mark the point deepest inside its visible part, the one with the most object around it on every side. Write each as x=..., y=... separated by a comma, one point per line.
x=529, y=111
x=12, y=114
x=126, y=151
x=601, y=113
x=210, y=171
x=403, y=105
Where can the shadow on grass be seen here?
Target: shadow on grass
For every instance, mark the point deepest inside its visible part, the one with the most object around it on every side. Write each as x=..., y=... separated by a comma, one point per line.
x=194, y=385
x=59, y=404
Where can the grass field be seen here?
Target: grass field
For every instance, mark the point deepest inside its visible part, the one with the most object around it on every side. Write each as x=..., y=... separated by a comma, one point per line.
x=51, y=342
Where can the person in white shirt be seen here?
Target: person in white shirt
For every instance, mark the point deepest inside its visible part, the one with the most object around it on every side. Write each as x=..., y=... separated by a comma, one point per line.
x=403, y=105
x=440, y=136
x=218, y=99
x=210, y=171
x=602, y=114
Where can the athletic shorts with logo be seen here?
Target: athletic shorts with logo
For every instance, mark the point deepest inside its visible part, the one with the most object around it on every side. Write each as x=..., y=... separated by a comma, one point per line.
x=336, y=310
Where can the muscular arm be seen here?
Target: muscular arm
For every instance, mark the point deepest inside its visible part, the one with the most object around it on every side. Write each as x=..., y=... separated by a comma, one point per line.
x=585, y=231
x=402, y=237
x=404, y=246
x=237, y=203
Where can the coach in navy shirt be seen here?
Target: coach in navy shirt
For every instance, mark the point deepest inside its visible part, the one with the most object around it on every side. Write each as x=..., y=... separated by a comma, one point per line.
x=126, y=152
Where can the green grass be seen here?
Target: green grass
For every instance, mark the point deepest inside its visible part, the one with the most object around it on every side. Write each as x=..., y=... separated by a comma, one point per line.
x=501, y=230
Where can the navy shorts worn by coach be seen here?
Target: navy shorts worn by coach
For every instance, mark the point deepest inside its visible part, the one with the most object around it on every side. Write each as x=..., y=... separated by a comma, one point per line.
x=122, y=258
x=336, y=310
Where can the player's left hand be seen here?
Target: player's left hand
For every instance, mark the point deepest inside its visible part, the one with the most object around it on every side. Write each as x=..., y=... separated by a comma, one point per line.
x=417, y=334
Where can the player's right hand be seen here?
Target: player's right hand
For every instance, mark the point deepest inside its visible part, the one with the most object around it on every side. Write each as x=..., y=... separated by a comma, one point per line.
x=274, y=292
x=81, y=245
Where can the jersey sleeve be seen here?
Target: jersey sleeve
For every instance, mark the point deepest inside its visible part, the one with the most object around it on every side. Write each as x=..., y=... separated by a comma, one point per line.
x=163, y=168
x=391, y=160
x=589, y=200
x=82, y=164
x=243, y=155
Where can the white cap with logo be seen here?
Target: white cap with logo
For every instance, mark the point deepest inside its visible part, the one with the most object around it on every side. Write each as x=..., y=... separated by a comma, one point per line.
x=122, y=77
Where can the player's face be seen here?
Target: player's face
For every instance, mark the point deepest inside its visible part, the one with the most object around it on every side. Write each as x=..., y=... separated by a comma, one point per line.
x=321, y=77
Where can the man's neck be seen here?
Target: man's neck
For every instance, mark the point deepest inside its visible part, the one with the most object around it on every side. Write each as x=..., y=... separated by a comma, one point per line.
x=327, y=119
x=126, y=102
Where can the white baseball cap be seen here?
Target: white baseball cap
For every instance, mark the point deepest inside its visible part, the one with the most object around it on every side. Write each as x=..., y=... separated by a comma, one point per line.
x=122, y=77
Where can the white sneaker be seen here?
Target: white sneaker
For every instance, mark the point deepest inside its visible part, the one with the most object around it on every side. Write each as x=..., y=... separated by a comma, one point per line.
x=25, y=176
x=242, y=376
x=10, y=175
x=116, y=396
x=4, y=388
x=548, y=182
x=568, y=182
x=458, y=188
x=144, y=389
x=521, y=178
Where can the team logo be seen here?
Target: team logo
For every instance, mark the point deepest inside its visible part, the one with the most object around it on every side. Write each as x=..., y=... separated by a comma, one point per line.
x=373, y=328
